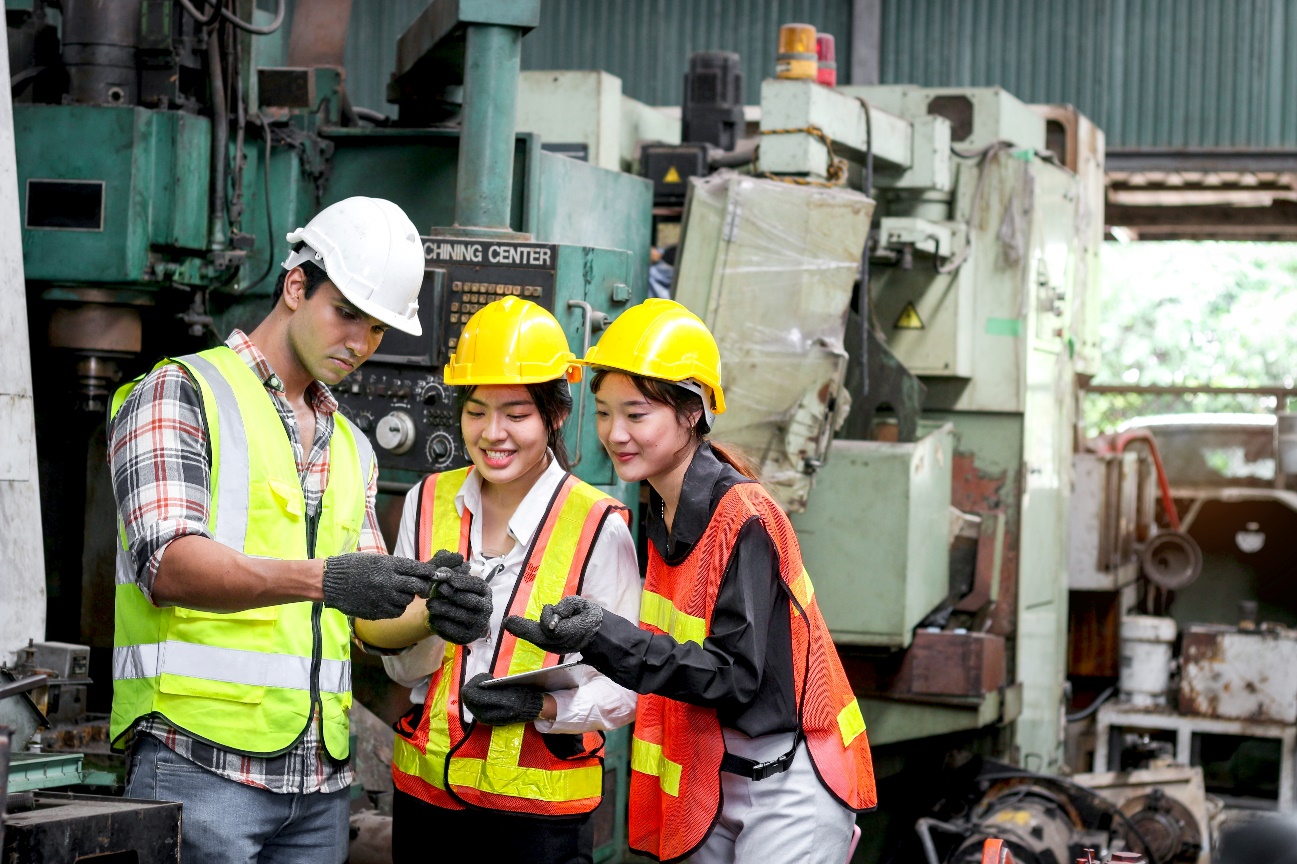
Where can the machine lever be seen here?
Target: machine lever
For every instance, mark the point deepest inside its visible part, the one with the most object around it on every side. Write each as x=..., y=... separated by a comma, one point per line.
x=593, y=320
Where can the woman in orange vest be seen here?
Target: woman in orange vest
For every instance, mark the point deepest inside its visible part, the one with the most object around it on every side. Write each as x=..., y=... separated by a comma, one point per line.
x=749, y=743
x=512, y=770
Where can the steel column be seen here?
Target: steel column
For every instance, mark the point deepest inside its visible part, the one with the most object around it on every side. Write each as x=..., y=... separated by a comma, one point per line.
x=492, y=60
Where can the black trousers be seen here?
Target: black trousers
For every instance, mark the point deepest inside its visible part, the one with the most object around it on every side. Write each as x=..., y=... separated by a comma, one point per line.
x=418, y=828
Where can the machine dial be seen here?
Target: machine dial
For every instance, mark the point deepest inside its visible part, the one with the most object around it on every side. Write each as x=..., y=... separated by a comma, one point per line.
x=434, y=393
x=396, y=432
x=441, y=447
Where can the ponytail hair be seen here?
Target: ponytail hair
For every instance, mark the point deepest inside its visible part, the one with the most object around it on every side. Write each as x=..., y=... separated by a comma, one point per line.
x=684, y=403
x=736, y=459
x=553, y=400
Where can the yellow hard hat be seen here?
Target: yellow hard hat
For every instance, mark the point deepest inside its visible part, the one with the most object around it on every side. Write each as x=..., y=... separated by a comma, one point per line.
x=662, y=339
x=511, y=341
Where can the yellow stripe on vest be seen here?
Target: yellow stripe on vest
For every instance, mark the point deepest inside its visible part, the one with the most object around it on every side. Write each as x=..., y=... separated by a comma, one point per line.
x=647, y=758
x=850, y=722
x=551, y=579
x=573, y=784
x=407, y=759
x=661, y=613
x=803, y=590
x=500, y=772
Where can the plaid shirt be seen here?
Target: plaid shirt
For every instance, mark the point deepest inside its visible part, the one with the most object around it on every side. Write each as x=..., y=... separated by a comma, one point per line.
x=158, y=452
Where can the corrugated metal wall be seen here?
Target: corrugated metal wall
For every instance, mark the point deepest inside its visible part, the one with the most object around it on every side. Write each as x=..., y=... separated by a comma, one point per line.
x=646, y=43
x=371, y=48
x=1152, y=73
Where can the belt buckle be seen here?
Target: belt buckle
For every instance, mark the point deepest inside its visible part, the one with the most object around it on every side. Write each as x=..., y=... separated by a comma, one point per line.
x=762, y=770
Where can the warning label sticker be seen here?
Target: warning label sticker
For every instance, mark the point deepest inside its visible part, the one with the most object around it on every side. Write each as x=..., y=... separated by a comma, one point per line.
x=672, y=176
x=909, y=319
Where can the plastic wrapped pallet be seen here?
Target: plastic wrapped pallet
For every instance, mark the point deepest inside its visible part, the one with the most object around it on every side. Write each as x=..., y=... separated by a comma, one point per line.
x=770, y=267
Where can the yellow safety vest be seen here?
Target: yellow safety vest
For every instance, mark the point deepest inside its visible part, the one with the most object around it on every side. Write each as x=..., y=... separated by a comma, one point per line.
x=246, y=681
x=452, y=764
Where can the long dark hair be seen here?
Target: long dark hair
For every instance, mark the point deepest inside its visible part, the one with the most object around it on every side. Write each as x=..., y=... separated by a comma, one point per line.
x=553, y=401
x=684, y=403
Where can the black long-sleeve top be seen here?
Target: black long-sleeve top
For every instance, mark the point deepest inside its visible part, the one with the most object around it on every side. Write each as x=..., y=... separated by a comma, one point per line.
x=743, y=668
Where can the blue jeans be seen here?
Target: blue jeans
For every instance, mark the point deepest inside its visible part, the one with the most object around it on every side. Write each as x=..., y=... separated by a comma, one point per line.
x=225, y=822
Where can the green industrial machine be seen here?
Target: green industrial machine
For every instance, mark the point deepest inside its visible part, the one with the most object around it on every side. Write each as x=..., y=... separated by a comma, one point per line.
x=133, y=216
x=923, y=448
x=934, y=523
x=163, y=158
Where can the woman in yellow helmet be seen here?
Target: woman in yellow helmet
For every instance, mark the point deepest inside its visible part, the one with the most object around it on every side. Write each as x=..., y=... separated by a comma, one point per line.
x=749, y=743
x=512, y=768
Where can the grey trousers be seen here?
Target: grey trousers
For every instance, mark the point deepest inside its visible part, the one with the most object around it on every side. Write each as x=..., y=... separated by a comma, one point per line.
x=789, y=817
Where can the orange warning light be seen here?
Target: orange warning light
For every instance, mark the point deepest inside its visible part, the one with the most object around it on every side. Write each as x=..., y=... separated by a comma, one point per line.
x=796, y=57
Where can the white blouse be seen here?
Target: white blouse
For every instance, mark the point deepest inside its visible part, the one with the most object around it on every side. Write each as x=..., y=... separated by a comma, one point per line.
x=611, y=580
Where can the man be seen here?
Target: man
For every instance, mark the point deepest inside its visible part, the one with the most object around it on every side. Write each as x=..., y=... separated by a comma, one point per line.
x=246, y=509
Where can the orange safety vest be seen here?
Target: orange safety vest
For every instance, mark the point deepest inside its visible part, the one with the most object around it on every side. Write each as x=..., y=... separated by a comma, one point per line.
x=453, y=764
x=675, y=787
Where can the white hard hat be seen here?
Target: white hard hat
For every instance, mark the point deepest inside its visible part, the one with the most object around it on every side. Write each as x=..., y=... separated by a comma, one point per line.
x=372, y=252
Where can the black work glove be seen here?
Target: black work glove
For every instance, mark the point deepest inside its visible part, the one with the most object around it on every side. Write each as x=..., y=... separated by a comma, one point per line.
x=564, y=628
x=459, y=606
x=500, y=706
x=373, y=587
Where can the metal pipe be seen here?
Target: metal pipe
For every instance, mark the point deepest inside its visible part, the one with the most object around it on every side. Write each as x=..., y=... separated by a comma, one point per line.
x=216, y=235
x=923, y=827
x=484, y=187
x=22, y=685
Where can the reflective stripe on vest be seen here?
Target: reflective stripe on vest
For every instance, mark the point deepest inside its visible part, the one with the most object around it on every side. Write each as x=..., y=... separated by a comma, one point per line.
x=506, y=768
x=230, y=439
x=677, y=749
x=661, y=613
x=231, y=665
x=648, y=758
x=243, y=680
x=803, y=591
x=419, y=765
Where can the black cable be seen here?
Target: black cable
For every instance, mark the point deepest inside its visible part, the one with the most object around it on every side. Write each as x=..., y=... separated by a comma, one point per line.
x=270, y=243
x=1088, y=710
x=240, y=125
x=985, y=155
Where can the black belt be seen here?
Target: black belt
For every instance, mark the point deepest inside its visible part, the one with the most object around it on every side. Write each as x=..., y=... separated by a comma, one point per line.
x=754, y=770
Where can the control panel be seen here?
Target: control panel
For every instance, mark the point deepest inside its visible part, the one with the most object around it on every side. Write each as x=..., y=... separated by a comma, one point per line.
x=398, y=398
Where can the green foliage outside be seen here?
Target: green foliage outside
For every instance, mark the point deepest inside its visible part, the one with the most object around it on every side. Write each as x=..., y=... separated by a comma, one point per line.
x=1192, y=314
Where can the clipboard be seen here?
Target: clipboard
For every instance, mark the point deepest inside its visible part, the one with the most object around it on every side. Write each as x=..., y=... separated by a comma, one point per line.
x=564, y=676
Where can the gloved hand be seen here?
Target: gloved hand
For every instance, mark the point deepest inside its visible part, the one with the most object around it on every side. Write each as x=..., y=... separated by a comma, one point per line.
x=459, y=606
x=500, y=706
x=564, y=628
x=373, y=587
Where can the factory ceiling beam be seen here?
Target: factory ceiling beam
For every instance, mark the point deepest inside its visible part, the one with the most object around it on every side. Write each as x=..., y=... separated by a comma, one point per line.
x=1278, y=222
x=1213, y=160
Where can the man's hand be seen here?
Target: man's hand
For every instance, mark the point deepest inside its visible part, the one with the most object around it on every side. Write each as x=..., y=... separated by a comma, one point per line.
x=374, y=587
x=500, y=706
x=459, y=606
x=564, y=628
